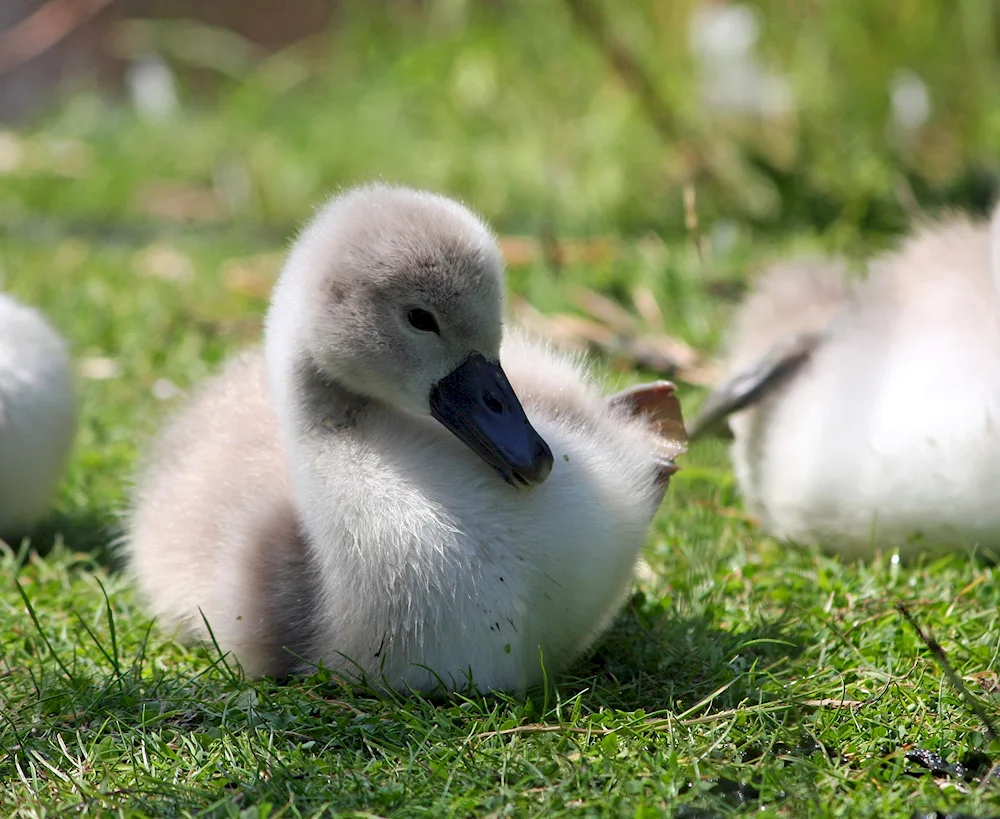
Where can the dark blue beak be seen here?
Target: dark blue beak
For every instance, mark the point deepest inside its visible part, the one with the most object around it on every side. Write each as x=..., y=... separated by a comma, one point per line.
x=477, y=403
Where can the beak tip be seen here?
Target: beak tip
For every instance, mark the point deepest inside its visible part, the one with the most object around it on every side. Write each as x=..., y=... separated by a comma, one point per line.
x=543, y=460
x=538, y=469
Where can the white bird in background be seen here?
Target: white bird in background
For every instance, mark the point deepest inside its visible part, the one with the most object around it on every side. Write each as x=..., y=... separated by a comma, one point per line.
x=37, y=416
x=722, y=37
x=867, y=414
x=368, y=491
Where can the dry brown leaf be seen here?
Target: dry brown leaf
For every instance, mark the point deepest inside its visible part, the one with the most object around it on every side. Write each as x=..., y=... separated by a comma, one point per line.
x=727, y=511
x=705, y=375
x=534, y=321
x=573, y=328
x=568, y=332
x=11, y=152
x=647, y=306
x=98, y=368
x=518, y=251
x=521, y=251
x=988, y=681
x=614, y=332
x=662, y=353
x=178, y=202
x=650, y=349
x=161, y=261
x=252, y=275
x=590, y=251
x=606, y=310
x=833, y=702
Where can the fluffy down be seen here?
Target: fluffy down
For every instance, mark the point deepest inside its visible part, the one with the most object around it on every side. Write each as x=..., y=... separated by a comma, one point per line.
x=888, y=436
x=307, y=506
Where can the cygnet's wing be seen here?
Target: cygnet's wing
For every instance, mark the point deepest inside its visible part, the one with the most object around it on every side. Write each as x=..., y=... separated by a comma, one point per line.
x=657, y=403
x=213, y=534
x=753, y=382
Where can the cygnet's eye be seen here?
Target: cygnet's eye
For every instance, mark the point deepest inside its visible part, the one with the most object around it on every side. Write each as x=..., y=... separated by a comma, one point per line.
x=422, y=320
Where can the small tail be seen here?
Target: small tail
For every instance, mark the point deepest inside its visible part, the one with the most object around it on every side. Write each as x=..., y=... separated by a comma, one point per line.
x=794, y=297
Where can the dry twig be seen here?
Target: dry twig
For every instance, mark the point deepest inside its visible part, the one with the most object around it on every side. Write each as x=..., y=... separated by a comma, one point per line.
x=41, y=30
x=590, y=18
x=942, y=660
x=612, y=331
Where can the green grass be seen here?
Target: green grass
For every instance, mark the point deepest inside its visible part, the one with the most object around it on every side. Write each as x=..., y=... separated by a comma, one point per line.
x=745, y=675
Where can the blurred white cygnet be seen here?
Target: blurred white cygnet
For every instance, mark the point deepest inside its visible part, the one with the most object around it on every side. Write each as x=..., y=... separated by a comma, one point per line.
x=37, y=416
x=867, y=415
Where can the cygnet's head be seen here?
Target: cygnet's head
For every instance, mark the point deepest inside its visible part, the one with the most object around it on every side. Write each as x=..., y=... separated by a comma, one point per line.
x=397, y=295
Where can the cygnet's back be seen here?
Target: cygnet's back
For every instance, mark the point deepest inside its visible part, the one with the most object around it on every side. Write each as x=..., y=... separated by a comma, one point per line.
x=214, y=527
x=370, y=493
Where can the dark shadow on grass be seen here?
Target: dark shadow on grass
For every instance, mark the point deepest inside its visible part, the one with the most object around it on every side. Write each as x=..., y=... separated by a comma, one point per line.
x=90, y=531
x=652, y=658
x=655, y=658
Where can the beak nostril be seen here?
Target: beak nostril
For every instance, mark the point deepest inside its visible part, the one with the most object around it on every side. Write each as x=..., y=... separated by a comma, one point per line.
x=492, y=403
x=477, y=403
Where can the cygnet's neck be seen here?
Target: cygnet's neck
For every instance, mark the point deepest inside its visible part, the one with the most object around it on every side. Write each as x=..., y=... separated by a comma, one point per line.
x=320, y=405
x=307, y=402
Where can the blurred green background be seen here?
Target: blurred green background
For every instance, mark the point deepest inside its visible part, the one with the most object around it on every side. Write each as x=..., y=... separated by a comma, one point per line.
x=575, y=116
x=157, y=156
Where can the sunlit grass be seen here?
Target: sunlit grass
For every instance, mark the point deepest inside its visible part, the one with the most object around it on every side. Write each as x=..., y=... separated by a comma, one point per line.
x=737, y=653
x=743, y=674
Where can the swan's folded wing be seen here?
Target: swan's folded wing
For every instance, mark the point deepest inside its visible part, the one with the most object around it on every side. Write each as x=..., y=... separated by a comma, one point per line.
x=754, y=382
